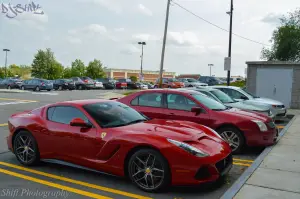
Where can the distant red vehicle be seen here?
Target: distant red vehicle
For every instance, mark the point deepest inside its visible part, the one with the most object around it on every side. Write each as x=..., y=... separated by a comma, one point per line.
x=236, y=126
x=111, y=137
x=121, y=84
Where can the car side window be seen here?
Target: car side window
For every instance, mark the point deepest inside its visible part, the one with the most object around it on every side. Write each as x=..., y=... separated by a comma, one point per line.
x=65, y=114
x=179, y=102
x=233, y=93
x=135, y=101
x=150, y=99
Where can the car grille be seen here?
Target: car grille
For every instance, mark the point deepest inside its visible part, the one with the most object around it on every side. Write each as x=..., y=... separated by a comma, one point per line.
x=272, y=125
x=202, y=173
x=223, y=164
x=280, y=106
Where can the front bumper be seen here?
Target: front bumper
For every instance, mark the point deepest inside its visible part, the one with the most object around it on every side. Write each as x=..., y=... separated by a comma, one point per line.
x=257, y=138
x=280, y=112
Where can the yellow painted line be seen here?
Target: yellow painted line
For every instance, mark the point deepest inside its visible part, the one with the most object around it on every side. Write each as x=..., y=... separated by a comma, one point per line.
x=123, y=193
x=3, y=124
x=51, y=184
x=242, y=164
x=22, y=100
x=242, y=160
x=280, y=127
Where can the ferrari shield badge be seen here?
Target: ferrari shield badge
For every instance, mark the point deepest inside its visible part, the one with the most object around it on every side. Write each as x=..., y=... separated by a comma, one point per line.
x=103, y=135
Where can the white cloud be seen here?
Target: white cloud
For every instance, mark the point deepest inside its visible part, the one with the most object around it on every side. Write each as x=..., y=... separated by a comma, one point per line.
x=272, y=18
x=89, y=29
x=119, y=29
x=145, y=37
x=74, y=40
x=144, y=10
x=185, y=38
x=112, y=5
x=129, y=49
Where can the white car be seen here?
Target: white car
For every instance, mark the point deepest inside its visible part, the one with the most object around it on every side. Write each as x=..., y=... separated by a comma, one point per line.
x=277, y=108
x=191, y=82
x=98, y=85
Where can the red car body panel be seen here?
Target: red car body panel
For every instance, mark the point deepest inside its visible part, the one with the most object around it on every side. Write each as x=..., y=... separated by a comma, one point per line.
x=213, y=119
x=87, y=148
x=120, y=85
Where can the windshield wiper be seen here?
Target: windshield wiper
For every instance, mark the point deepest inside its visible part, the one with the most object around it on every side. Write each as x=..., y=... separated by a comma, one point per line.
x=216, y=109
x=125, y=124
x=136, y=121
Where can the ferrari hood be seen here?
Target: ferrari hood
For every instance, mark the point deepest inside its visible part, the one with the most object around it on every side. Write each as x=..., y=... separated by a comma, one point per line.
x=246, y=114
x=244, y=106
x=177, y=130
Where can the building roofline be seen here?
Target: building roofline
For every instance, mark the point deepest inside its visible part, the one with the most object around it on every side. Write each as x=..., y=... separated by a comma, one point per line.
x=272, y=63
x=134, y=70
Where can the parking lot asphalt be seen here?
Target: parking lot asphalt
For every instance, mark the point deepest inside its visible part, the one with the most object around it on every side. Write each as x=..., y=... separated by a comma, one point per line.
x=68, y=182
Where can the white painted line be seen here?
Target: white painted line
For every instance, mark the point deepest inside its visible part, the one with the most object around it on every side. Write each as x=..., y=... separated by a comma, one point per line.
x=36, y=93
x=17, y=102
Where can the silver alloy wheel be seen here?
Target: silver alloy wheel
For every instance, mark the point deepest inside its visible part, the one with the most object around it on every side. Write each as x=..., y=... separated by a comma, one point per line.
x=37, y=89
x=60, y=88
x=22, y=88
x=232, y=138
x=9, y=87
x=147, y=171
x=80, y=87
x=24, y=149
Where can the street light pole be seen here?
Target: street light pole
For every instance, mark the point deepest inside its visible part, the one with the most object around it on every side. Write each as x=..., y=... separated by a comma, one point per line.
x=210, y=65
x=230, y=39
x=142, y=56
x=6, y=50
x=164, y=45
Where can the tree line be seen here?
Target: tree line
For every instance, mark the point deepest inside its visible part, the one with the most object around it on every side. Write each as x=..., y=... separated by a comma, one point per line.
x=46, y=66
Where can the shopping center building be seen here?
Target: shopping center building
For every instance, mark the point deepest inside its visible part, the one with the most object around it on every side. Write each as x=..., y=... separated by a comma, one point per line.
x=149, y=76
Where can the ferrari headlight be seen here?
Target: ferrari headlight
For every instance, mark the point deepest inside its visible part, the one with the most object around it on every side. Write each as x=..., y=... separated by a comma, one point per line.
x=188, y=148
x=262, y=126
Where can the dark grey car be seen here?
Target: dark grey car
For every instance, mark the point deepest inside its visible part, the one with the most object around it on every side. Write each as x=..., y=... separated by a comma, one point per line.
x=37, y=85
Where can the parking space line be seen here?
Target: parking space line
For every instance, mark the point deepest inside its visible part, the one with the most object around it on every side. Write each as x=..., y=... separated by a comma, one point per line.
x=242, y=164
x=123, y=193
x=5, y=124
x=22, y=100
x=51, y=184
x=242, y=160
x=280, y=127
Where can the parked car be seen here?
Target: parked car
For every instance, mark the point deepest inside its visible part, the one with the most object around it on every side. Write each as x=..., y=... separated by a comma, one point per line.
x=98, y=84
x=108, y=83
x=83, y=83
x=113, y=138
x=10, y=83
x=191, y=82
x=121, y=84
x=169, y=83
x=237, y=127
x=277, y=108
x=64, y=84
x=141, y=86
x=37, y=85
x=228, y=101
x=210, y=80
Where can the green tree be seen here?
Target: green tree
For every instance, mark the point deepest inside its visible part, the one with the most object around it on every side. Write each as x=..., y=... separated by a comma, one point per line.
x=45, y=65
x=95, y=69
x=2, y=72
x=285, y=40
x=78, y=68
x=133, y=78
x=67, y=73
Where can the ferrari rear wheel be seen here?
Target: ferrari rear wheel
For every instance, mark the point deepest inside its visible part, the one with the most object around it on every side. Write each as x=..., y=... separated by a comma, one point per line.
x=149, y=170
x=26, y=149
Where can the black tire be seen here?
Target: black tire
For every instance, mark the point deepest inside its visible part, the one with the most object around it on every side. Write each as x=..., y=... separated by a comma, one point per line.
x=49, y=90
x=163, y=179
x=169, y=86
x=238, y=138
x=37, y=89
x=190, y=86
x=33, y=157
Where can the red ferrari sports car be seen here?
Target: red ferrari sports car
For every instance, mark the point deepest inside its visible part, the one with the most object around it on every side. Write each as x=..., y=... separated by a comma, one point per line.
x=113, y=138
x=237, y=127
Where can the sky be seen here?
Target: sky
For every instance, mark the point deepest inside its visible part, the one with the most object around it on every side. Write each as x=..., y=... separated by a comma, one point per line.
x=109, y=30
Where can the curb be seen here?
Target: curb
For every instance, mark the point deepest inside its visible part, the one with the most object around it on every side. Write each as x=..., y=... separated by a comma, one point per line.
x=235, y=188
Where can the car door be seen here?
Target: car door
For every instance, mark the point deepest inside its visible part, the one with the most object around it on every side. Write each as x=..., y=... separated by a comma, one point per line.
x=150, y=104
x=179, y=108
x=72, y=143
x=3, y=83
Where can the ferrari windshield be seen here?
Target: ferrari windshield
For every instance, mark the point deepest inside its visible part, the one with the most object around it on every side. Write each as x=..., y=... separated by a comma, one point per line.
x=113, y=114
x=209, y=102
x=224, y=98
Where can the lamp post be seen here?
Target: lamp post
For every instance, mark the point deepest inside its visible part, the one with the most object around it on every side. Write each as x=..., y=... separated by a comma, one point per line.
x=6, y=50
x=210, y=65
x=164, y=45
x=230, y=40
x=142, y=56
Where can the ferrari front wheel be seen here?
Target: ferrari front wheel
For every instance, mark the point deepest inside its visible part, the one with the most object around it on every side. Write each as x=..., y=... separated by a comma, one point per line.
x=149, y=170
x=26, y=148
